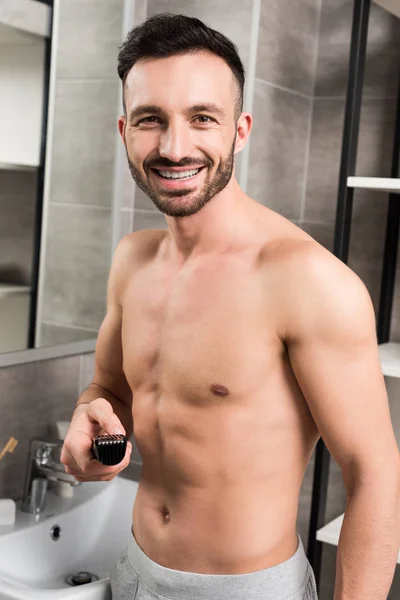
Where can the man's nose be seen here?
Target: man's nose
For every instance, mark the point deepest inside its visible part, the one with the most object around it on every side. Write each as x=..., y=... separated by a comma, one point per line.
x=175, y=142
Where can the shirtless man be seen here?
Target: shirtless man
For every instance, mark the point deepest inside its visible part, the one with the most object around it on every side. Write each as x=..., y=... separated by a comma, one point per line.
x=232, y=341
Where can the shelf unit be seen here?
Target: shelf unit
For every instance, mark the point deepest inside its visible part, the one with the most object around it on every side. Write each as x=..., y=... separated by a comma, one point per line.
x=392, y=6
x=17, y=167
x=389, y=352
x=23, y=33
x=14, y=316
x=25, y=43
x=389, y=355
x=377, y=184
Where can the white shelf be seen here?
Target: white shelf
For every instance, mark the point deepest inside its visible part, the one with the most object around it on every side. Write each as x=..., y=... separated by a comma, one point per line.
x=330, y=532
x=17, y=167
x=6, y=289
x=379, y=184
x=393, y=6
x=20, y=139
x=389, y=355
x=24, y=16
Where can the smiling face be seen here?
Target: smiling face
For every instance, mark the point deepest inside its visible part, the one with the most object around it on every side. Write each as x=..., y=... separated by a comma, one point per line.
x=180, y=132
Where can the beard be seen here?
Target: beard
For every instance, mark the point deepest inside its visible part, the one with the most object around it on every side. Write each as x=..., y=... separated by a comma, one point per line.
x=164, y=200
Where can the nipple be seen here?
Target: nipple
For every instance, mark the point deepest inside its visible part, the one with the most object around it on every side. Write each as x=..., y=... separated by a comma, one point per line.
x=218, y=389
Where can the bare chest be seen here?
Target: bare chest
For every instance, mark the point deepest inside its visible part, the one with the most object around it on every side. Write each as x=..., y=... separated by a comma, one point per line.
x=205, y=333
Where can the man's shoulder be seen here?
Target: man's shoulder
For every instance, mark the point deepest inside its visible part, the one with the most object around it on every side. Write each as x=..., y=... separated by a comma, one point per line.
x=139, y=245
x=295, y=251
x=311, y=284
x=133, y=251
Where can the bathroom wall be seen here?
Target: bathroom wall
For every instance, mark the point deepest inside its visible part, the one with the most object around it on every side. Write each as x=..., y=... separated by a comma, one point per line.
x=81, y=149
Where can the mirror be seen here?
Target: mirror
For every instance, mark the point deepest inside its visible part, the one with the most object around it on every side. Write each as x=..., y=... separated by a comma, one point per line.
x=57, y=205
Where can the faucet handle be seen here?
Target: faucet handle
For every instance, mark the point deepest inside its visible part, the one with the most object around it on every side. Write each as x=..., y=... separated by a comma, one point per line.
x=44, y=454
x=35, y=443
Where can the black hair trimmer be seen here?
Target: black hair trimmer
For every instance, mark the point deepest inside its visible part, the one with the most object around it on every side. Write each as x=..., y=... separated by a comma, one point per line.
x=109, y=449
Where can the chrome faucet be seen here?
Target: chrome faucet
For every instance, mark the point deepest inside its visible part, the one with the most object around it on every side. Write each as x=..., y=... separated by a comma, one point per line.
x=42, y=466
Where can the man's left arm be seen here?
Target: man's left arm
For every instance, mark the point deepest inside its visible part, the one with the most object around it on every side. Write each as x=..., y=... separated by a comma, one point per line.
x=331, y=340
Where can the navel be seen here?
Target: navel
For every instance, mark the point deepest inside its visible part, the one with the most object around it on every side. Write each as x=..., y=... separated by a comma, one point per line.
x=165, y=514
x=219, y=389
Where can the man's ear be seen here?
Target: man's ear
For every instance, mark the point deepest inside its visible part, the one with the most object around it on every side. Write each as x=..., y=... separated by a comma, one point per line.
x=243, y=128
x=121, y=126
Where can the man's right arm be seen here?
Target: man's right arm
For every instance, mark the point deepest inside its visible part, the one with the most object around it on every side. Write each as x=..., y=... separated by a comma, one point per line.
x=106, y=405
x=109, y=381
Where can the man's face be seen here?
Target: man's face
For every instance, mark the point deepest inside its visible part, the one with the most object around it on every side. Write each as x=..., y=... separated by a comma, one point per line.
x=180, y=123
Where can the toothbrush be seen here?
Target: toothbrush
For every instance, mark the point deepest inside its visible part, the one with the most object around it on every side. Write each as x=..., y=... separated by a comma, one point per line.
x=9, y=447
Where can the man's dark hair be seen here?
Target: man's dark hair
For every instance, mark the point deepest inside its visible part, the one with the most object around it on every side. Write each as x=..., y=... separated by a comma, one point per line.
x=166, y=35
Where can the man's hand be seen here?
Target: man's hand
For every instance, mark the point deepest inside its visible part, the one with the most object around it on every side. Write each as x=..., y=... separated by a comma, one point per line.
x=89, y=420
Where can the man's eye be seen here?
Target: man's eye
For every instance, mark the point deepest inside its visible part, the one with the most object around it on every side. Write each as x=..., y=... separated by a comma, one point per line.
x=204, y=117
x=147, y=120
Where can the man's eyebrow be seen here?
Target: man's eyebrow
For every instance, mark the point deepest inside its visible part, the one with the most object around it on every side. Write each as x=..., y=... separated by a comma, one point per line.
x=143, y=109
x=152, y=108
x=209, y=107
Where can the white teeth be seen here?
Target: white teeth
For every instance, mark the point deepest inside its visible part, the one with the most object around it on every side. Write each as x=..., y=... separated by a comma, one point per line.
x=179, y=175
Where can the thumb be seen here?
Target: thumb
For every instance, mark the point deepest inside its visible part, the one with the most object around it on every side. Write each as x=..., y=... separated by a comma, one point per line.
x=101, y=411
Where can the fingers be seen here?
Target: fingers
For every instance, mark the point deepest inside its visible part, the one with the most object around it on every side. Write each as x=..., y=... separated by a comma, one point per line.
x=67, y=459
x=77, y=455
x=96, y=471
x=77, y=450
x=101, y=411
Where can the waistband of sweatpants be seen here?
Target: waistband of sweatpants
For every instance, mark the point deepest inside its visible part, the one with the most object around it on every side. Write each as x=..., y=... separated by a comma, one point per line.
x=274, y=583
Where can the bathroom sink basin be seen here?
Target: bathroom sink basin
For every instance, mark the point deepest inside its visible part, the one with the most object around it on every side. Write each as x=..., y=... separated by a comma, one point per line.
x=85, y=533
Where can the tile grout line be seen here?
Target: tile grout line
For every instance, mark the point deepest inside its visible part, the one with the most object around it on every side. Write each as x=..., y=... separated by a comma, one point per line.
x=147, y=210
x=310, y=120
x=75, y=205
x=69, y=326
x=90, y=80
x=284, y=89
x=128, y=21
x=80, y=378
x=380, y=98
x=250, y=89
x=308, y=97
x=131, y=220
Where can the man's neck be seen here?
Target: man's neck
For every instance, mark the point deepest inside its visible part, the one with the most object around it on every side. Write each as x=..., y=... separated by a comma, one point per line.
x=214, y=230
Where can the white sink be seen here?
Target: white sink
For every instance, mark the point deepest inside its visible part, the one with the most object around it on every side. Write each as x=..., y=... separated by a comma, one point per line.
x=95, y=528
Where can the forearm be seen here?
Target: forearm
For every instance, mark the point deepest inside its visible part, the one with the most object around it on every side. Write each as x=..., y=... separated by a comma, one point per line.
x=369, y=542
x=122, y=410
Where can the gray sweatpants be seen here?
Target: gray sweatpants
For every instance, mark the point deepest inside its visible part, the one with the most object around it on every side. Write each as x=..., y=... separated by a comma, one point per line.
x=136, y=577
